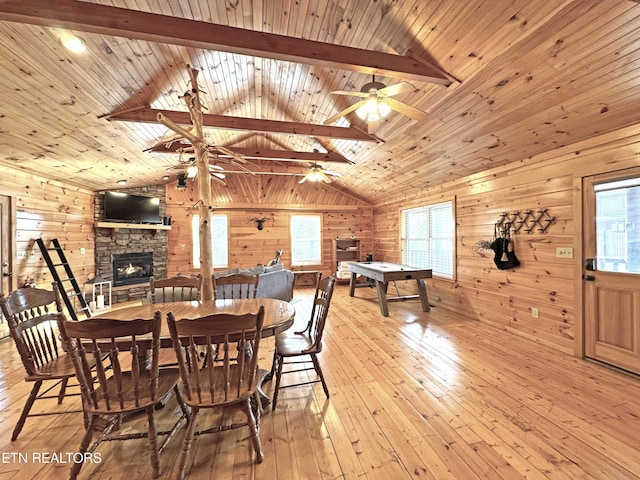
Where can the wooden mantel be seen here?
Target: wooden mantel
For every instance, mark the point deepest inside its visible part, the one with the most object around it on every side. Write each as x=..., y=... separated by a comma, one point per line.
x=140, y=226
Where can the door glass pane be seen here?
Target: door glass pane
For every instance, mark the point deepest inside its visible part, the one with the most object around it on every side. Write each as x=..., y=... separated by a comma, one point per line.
x=618, y=226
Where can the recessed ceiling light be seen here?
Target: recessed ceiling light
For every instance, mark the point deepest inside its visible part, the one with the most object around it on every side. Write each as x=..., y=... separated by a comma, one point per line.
x=73, y=43
x=122, y=182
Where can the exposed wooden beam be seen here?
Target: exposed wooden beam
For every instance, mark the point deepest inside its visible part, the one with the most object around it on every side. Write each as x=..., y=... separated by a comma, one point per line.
x=150, y=115
x=284, y=170
x=289, y=155
x=153, y=27
x=223, y=207
x=259, y=154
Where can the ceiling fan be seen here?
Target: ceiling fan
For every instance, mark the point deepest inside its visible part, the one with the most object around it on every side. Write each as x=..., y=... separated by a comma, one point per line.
x=377, y=103
x=318, y=174
x=188, y=169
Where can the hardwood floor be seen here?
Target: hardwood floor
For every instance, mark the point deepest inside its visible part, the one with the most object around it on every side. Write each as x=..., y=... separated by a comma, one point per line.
x=413, y=395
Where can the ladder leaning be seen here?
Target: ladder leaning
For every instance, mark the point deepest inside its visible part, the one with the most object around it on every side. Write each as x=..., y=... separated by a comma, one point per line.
x=63, y=276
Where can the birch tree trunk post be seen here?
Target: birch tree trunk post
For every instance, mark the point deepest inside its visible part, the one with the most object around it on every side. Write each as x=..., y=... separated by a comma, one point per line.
x=196, y=138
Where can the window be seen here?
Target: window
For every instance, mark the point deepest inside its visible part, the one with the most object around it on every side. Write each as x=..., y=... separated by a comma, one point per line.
x=219, y=240
x=427, y=238
x=306, y=239
x=617, y=220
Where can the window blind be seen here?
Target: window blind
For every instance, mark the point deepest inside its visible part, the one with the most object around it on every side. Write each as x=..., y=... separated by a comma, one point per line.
x=427, y=238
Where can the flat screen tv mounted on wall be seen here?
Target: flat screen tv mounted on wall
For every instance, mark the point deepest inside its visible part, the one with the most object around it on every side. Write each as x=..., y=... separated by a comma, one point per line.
x=126, y=207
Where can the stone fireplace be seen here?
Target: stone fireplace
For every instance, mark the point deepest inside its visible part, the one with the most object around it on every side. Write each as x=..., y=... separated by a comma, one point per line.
x=131, y=268
x=117, y=247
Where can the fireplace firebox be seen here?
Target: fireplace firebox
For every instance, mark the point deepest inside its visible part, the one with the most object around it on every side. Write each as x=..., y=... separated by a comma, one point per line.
x=131, y=268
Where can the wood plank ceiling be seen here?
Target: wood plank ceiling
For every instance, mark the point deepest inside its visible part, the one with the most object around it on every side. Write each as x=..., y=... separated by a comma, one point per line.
x=526, y=76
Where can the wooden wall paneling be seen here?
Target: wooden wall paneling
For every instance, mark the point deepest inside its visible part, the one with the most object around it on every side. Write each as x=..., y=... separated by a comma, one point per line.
x=48, y=209
x=543, y=281
x=483, y=292
x=343, y=216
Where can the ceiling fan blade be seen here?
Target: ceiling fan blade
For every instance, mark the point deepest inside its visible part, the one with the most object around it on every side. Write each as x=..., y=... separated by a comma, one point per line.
x=333, y=174
x=392, y=90
x=218, y=180
x=372, y=126
x=405, y=109
x=303, y=179
x=351, y=93
x=344, y=112
x=231, y=153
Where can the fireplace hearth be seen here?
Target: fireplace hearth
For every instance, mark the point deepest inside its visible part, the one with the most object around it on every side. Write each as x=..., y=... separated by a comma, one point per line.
x=132, y=268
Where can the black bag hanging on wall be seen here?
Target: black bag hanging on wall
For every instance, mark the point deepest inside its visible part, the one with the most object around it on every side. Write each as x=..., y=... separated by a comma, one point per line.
x=504, y=257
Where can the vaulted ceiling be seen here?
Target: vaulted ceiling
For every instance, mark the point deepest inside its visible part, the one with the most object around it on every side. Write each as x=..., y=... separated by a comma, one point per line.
x=501, y=81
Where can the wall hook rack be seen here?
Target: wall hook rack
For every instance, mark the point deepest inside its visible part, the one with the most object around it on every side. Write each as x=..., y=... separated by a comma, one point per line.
x=527, y=220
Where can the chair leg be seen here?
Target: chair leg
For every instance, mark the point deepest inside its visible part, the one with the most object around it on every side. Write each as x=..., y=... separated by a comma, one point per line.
x=153, y=443
x=273, y=365
x=27, y=408
x=256, y=407
x=88, y=434
x=188, y=441
x=254, y=431
x=277, y=387
x=180, y=400
x=316, y=365
x=63, y=389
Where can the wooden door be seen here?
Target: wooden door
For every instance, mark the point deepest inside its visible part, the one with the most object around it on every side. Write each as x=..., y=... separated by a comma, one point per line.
x=5, y=260
x=611, y=269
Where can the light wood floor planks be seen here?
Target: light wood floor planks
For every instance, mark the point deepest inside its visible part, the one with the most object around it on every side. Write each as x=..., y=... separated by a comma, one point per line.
x=413, y=395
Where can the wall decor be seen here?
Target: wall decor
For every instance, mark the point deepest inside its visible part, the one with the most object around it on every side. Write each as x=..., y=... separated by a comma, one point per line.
x=529, y=221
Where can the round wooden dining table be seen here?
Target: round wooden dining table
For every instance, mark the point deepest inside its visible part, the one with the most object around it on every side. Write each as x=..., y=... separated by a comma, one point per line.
x=278, y=314
x=278, y=317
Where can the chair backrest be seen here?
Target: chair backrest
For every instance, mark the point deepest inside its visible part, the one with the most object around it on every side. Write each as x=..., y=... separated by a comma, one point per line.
x=231, y=344
x=320, y=310
x=120, y=350
x=32, y=315
x=236, y=286
x=174, y=289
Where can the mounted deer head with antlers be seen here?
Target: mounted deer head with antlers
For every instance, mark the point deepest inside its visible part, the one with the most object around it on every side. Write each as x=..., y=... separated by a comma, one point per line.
x=259, y=221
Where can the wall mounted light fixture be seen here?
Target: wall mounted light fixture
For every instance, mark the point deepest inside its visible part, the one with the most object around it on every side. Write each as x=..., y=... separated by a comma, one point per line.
x=182, y=181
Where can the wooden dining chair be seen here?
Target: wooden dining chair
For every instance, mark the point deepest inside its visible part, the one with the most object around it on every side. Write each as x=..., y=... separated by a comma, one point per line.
x=236, y=286
x=293, y=348
x=32, y=315
x=229, y=378
x=127, y=379
x=174, y=289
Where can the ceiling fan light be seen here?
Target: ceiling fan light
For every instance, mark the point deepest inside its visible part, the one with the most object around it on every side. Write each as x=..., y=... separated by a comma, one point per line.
x=383, y=109
x=362, y=112
x=371, y=104
x=373, y=116
x=192, y=171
